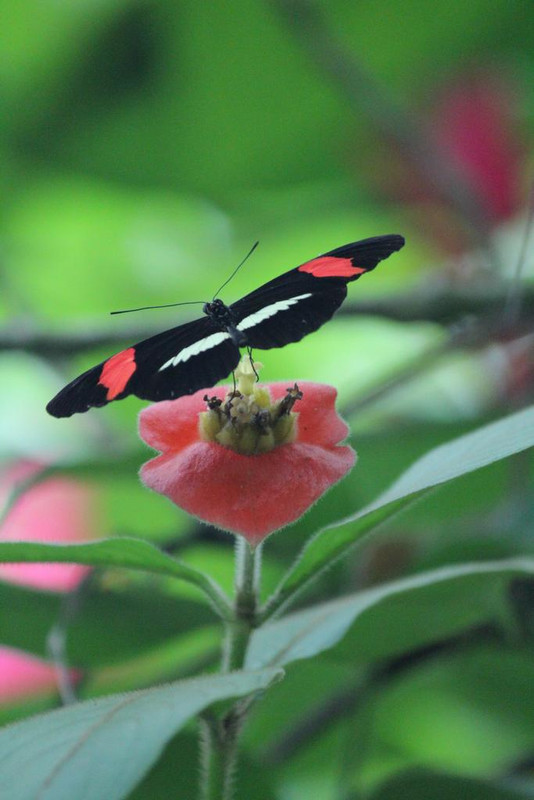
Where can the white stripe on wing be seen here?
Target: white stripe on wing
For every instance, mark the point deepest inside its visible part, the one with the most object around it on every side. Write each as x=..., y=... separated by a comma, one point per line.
x=196, y=348
x=269, y=311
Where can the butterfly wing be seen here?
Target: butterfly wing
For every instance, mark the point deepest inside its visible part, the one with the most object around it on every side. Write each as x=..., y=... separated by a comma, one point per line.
x=298, y=302
x=198, y=354
x=173, y=363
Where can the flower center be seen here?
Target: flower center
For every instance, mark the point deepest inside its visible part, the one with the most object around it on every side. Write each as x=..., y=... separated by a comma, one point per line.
x=247, y=421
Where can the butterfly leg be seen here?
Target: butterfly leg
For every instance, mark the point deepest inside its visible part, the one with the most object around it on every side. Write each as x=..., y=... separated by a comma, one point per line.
x=249, y=351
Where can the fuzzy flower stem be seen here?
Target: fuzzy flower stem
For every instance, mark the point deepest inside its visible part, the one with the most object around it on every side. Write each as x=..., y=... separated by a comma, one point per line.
x=218, y=757
x=220, y=735
x=238, y=629
x=211, y=760
x=257, y=570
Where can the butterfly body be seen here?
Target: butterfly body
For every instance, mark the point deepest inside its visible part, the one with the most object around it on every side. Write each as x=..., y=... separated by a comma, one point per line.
x=198, y=354
x=223, y=319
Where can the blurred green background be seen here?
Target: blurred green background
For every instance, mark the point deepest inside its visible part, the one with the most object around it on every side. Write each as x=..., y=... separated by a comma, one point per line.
x=146, y=146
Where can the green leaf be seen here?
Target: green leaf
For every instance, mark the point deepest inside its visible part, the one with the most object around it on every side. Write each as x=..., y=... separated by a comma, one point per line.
x=102, y=748
x=467, y=710
x=120, y=552
x=137, y=620
x=490, y=443
x=306, y=633
x=426, y=614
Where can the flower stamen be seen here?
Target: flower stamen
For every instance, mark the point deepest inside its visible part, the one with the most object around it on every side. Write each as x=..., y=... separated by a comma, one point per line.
x=247, y=421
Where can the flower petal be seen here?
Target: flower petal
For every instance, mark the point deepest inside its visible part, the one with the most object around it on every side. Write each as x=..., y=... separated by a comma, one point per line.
x=173, y=424
x=319, y=423
x=249, y=495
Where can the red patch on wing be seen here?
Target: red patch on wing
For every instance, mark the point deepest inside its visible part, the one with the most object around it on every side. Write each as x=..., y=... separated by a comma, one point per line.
x=331, y=267
x=117, y=371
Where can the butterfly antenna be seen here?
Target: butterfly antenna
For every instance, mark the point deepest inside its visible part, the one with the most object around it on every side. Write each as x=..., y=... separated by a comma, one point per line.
x=166, y=305
x=227, y=281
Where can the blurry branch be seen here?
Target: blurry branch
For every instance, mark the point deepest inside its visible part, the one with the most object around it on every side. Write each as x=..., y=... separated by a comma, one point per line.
x=516, y=290
x=470, y=335
x=20, y=489
x=33, y=339
x=447, y=307
x=404, y=374
x=56, y=640
x=365, y=94
x=352, y=698
x=337, y=707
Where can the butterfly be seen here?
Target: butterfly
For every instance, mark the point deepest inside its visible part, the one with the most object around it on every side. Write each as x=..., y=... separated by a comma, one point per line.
x=197, y=354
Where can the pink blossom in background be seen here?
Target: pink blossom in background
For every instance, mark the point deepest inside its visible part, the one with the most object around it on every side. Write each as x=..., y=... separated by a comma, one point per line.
x=57, y=510
x=475, y=121
x=22, y=674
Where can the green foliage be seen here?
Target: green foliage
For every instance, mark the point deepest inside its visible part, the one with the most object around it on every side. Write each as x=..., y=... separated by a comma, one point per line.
x=474, y=601
x=136, y=622
x=418, y=785
x=123, y=734
x=463, y=455
x=131, y=553
x=146, y=146
x=478, y=593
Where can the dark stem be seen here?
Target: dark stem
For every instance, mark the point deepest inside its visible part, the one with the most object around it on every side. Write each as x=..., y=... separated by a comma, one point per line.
x=443, y=305
x=56, y=640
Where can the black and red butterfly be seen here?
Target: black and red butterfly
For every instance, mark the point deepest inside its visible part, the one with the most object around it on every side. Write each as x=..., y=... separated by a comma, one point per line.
x=198, y=354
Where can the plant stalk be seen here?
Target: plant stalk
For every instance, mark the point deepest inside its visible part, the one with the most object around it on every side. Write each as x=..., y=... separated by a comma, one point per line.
x=219, y=735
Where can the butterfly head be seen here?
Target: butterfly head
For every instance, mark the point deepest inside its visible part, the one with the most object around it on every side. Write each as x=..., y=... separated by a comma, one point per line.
x=216, y=309
x=219, y=313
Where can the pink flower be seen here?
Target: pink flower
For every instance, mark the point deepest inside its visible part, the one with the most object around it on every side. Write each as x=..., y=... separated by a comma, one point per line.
x=475, y=122
x=260, y=482
x=474, y=126
x=56, y=510
x=22, y=675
